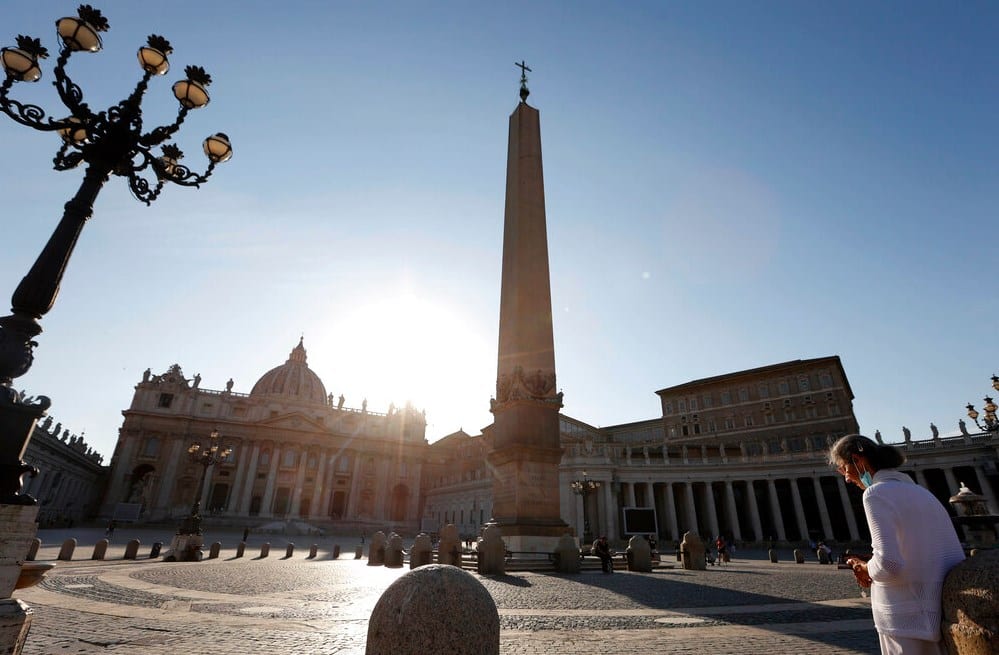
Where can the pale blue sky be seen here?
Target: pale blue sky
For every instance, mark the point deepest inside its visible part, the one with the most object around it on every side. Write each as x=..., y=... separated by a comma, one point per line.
x=729, y=185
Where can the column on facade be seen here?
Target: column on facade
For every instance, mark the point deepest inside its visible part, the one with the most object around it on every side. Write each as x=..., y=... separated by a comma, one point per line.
x=691, y=517
x=243, y=507
x=799, y=509
x=169, y=477
x=952, y=483
x=629, y=493
x=328, y=487
x=983, y=484
x=383, y=488
x=820, y=498
x=265, y=507
x=778, y=517
x=730, y=509
x=206, y=486
x=754, y=511
x=579, y=515
x=354, y=498
x=671, y=511
x=123, y=468
x=844, y=498
x=241, y=455
x=315, y=508
x=296, y=493
x=709, y=499
x=610, y=509
x=920, y=478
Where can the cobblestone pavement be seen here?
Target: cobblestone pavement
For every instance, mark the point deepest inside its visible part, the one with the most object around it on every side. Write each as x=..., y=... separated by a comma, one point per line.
x=245, y=606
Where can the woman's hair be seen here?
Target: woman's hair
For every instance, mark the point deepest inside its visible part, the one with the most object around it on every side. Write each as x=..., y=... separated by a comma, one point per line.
x=881, y=456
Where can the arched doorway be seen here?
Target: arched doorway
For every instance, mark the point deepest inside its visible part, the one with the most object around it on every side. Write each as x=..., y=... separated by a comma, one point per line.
x=398, y=502
x=138, y=484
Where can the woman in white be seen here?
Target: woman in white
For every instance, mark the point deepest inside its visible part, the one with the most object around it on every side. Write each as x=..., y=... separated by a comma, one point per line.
x=914, y=544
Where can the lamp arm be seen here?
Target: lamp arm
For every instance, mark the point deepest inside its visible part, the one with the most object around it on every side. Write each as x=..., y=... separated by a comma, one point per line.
x=161, y=134
x=26, y=114
x=69, y=92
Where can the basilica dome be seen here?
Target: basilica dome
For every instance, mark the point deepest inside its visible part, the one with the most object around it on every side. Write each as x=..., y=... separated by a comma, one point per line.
x=293, y=380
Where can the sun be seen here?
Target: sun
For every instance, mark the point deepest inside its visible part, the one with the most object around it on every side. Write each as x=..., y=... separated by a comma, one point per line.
x=412, y=349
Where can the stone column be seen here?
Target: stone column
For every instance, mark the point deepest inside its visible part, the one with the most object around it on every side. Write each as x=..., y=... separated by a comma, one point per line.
x=823, y=510
x=355, y=487
x=920, y=478
x=123, y=468
x=799, y=510
x=265, y=507
x=730, y=509
x=610, y=507
x=315, y=509
x=169, y=477
x=206, y=488
x=983, y=482
x=237, y=484
x=383, y=487
x=671, y=511
x=952, y=483
x=691, y=517
x=851, y=520
x=296, y=492
x=328, y=486
x=778, y=517
x=709, y=498
x=754, y=511
x=629, y=493
x=251, y=476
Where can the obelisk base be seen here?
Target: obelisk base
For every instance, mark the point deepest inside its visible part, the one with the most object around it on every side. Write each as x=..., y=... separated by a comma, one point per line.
x=17, y=530
x=15, y=621
x=526, y=498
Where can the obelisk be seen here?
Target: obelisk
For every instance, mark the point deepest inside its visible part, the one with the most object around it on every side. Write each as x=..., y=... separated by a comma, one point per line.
x=525, y=451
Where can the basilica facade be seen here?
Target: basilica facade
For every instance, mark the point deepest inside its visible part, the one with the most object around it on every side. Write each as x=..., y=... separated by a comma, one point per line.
x=297, y=453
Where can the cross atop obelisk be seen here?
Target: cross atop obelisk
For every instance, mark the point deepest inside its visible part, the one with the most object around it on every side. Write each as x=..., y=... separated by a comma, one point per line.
x=524, y=92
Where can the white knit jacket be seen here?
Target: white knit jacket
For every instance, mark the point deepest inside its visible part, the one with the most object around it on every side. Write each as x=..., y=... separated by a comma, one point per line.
x=915, y=545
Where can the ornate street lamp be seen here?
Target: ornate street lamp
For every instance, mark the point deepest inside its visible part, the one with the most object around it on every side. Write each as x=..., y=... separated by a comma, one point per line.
x=108, y=142
x=584, y=488
x=207, y=455
x=991, y=422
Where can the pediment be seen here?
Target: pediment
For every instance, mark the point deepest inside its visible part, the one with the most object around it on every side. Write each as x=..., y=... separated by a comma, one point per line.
x=293, y=421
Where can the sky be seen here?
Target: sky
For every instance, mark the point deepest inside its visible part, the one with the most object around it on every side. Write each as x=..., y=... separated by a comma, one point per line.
x=728, y=185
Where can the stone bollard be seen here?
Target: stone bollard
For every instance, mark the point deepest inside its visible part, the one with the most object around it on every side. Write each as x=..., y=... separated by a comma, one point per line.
x=822, y=555
x=799, y=557
x=66, y=552
x=971, y=605
x=422, y=552
x=773, y=555
x=359, y=551
x=434, y=609
x=289, y=551
x=132, y=549
x=36, y=543
x=376, y=551
x=100, y=549
x=336, y=552
x=213, y=552
x=154, y=552
x=240, y=549
x=313, y=550
x=492, y=551
x=566, y=554
x=449, y=546
x=639, y=554
x=393, y=552
x=693, y=552
x=265, y=550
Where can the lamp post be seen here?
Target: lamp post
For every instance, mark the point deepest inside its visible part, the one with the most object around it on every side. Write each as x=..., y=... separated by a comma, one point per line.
x=583, y=488
x=207, y=455
x=991, y=422
x=108, y=142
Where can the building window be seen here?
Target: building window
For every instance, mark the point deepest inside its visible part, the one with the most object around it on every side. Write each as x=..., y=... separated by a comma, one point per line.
x=833, y=409
x=166, y=399
x=810, y=412
x=712, y=426
x=748, y=421
x=697, y=428
x=769, y=418
x=763, y=390
x=729, y=423
x=825, y=380
x=668, y=407
x=743, y=394
x=784, y=387
x=681, y=405
x=803, y=383
x=265, y=458
x=313, y=463
x=788, y=415
x=807, y=400
x=672, y=432
x=206, y=408
x=152, y=448
x=706, y=401
x=726, y=398
x=787, y=403
x=683, y=430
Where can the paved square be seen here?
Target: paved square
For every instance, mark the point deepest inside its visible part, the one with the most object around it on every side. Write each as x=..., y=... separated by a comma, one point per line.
x=240, y=606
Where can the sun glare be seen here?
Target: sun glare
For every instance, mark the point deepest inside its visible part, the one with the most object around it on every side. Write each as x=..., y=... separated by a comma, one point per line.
x=409, y=349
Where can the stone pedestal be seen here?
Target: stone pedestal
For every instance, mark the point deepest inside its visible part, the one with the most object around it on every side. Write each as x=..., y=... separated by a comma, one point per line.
x=971, y=606
x=492, y=551
x=567, y=555
x=639, y=554
x=422, y=552
x=692, y=550
x=17, y=532
x=185, y=548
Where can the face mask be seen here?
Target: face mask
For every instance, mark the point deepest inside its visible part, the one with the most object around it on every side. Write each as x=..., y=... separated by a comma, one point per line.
x=866, y=479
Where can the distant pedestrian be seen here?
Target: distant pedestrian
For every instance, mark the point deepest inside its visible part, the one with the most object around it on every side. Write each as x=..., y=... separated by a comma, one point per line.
x=602, y=550
x=246, y=533
x=109, y=532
